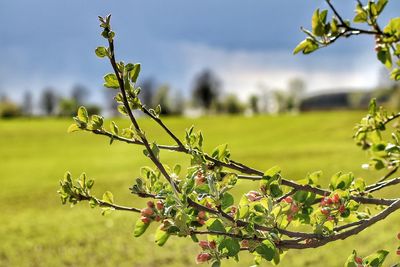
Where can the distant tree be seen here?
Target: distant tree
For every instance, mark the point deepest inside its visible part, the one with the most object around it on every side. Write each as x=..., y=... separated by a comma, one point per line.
x=92, y=109
x=67, y=107
x=206, y=89
x=161, y=98
x=8, y=109
x=27, y=104
x=80, y=94
x=147, y=91
x=232, y=105
x=111, y=104
x=48, y=101
x=297, y=87
x=178, y=103
x=253, y=102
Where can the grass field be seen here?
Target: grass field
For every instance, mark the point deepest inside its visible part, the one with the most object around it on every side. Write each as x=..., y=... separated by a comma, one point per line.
x=36, y=230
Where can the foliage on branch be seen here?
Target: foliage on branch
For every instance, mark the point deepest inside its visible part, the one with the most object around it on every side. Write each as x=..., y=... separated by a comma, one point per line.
x=325, y=31
x=196, y=202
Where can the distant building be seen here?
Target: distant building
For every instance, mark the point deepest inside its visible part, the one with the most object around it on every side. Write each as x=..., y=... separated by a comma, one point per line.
x=326, y=101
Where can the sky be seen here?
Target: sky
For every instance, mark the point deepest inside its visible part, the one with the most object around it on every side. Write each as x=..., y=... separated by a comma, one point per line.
x=248, y=44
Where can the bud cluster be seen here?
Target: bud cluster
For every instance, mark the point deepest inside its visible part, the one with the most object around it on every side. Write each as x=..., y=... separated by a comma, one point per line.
x=207, y=247
x=331, y=206
x=153, y=212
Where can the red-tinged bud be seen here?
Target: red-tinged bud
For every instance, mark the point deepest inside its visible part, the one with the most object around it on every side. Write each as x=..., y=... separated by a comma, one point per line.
x=290, y=217
x=201, y=221
x=323, y=202
x=325, y=211
x=147, y=212
x=330, y=218
x=201, y=214
x=150, y=204
x=203, y=257
x=212, y=244
x=245, y=243
x=255, y=193
x=253, y=196
x=358, y=260
x=336, y=198
x=263, y=189
x=288, y=199
x=160, y=205
x=294, y=208
x=200, y=180
x=204, y=244
x=208, y=205
x=146, y=220
x=342, y=209
x=158, y=218
x=329, y=201
x=233, y=209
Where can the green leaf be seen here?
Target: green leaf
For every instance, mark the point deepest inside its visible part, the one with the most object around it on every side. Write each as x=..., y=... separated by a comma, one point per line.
x=134, y=74
x=215, y=225
x=161, y=236
x=275, y=190
x=359, y=184
x=306, y=47
x=316, y=24
x=385, y=57
x=114, y=128
x=341, y=181
x=177, y=169
x=376, y=259
x=108, y=197
x=361, y=15
x=83, y=115
x=97, y=122
x=243, y=207
x=101, y=52
x=272, y=172
x=111, y=81
x=266, y=250
x=229, y=246
x=73, y=128
x=140, y=228
x=395, y=74
x=380, y=5
x=122, y=110
x=227, y=201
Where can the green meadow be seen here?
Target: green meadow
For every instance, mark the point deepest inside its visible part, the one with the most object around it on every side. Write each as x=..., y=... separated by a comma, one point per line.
x=36, y=230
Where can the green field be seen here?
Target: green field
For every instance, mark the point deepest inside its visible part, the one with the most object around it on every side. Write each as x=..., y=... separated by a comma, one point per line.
x=36, y=230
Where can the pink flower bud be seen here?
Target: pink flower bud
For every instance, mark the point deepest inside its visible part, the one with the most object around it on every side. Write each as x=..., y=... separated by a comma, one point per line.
x=294, y=208
x=160, y=205
x=212, y=244
x=203, y=257
x=288, y=199
x=150, y=204
x=336, y=198
x=146, y=220
x=201, y=214
x=204, y=244
x=147, y=212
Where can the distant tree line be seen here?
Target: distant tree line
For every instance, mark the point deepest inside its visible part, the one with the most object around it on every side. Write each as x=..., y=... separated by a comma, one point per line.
x=206, y=97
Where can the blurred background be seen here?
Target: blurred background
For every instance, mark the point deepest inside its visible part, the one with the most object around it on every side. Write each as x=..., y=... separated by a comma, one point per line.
x=225, y=66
